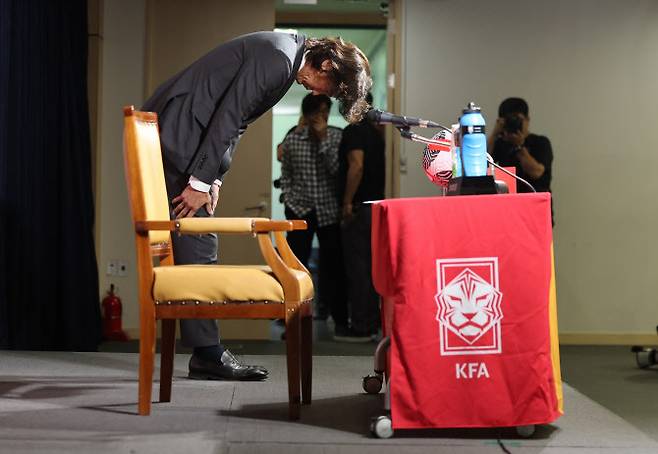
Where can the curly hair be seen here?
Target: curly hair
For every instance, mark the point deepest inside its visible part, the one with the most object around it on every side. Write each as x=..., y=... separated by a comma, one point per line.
x=350, y=72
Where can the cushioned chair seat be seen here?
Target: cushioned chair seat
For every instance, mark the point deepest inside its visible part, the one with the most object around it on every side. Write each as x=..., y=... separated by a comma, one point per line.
x=222, y=283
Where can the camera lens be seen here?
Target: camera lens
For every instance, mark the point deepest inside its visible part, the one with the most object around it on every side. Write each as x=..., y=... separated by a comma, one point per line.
x=513, y=123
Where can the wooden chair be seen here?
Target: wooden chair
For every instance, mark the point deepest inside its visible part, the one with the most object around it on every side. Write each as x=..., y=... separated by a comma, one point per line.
x=282, y=289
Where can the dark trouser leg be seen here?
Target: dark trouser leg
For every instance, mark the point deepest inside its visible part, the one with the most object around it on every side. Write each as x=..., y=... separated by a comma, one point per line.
x=364, y=300
x=301, y=241
x=193, y=249
x=199, y=249
x=332, y=273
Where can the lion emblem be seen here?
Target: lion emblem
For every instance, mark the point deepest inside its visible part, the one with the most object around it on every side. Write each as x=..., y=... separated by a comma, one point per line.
x=469, y=306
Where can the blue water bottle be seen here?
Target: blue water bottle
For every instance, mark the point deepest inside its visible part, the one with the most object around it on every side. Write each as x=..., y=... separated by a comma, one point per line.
x=474, y=142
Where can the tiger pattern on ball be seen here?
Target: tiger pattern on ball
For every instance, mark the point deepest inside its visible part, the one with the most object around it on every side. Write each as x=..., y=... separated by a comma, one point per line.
x=437, y=159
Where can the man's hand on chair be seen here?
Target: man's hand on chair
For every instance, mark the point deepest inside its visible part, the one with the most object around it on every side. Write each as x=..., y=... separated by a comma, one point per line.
x=189, y=201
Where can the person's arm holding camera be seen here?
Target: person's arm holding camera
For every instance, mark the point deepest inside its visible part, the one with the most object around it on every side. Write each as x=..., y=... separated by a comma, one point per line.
x=513, y=129
x=533, y=168
x=530, y=165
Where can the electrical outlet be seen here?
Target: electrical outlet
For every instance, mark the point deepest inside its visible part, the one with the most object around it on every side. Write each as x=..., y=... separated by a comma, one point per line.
x=122, y=268
x=111, y=268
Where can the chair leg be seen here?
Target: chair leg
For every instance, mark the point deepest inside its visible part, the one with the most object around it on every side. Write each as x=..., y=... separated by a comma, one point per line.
x=293, y=362
x=146, y=360
x=307, y=359
x=167, y=351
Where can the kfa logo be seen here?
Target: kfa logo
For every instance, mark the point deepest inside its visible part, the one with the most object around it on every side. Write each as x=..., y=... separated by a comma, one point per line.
x=468, y=301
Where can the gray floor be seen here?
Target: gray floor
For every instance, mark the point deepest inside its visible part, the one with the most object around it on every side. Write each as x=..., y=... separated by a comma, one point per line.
x=59, y=402
x=606, y=374
x=609, y=376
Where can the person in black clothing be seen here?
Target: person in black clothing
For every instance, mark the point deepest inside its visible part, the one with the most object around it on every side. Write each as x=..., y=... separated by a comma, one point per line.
x=512, y=144
x=361, y=178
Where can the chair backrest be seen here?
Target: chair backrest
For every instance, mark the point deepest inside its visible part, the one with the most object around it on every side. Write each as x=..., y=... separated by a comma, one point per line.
x=144, y=171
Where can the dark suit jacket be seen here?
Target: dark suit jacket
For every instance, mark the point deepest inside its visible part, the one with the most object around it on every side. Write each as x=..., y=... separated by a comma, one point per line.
x=204, y=109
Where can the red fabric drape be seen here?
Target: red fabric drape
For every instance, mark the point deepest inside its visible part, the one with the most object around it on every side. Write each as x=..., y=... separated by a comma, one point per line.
x=468, y=279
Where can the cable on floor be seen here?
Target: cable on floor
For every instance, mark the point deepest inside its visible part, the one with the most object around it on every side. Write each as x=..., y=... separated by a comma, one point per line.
x=502, y=445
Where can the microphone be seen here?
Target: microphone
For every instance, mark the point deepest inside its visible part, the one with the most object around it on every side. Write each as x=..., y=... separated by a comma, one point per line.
x=381, y=117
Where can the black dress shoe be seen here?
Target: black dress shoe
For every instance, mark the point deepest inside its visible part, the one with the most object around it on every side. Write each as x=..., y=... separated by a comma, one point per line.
x=227, y=368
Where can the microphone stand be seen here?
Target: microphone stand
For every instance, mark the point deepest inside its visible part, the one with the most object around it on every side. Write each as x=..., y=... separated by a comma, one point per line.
x=406, y=132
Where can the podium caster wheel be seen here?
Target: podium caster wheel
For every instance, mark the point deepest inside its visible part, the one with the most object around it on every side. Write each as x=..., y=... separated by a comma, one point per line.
x=381, y=427
x=645, y=357
x=525, y=431
x=372, y=384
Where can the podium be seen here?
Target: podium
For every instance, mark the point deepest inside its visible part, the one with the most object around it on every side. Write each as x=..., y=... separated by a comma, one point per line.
x=469, y=305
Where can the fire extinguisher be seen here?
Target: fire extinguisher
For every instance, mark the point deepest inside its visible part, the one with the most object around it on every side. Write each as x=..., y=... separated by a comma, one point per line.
x=112, y=317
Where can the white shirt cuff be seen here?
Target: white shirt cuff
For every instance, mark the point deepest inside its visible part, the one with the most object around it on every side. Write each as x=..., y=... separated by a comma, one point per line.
x=198, y=185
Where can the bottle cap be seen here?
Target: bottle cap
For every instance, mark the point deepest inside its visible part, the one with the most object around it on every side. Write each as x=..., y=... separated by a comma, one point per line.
x=471, y=108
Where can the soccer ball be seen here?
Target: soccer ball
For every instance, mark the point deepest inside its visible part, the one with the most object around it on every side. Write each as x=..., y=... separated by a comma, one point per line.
x=438, y=159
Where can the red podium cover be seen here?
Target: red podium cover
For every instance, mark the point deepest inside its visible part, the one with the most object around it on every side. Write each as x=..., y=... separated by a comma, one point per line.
x=471, y=310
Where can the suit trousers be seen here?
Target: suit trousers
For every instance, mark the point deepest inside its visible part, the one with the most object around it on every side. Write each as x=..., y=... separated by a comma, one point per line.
x=332, y=273
x=192, y=249
x=362, y=297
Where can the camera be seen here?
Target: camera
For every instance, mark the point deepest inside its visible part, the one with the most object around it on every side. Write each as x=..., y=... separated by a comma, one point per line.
x=513, y=123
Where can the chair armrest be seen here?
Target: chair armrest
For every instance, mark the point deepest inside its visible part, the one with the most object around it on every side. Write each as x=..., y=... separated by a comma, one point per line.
x=199, y=225
x=279, y=226
x=298, y=224
x=220, y=225
x=236, y=225
x=146, y=226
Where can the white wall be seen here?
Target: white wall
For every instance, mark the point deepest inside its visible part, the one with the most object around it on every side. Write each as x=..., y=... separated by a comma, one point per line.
x=122, y=83
x=588, y=69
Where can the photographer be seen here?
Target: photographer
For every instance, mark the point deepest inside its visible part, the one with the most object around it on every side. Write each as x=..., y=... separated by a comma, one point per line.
x=511, y=144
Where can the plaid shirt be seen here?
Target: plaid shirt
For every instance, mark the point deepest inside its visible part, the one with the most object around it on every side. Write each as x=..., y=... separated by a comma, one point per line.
x=309, y=175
